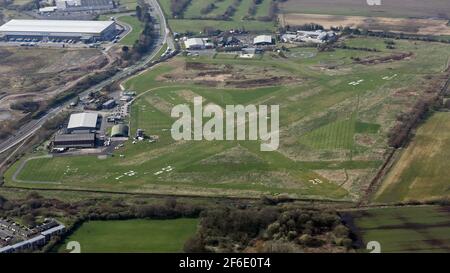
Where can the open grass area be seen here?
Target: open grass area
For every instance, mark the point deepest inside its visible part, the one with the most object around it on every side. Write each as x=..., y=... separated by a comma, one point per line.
x=129, y=4
x=334, y=118
x=197, y=26
x=136, y=31
x=408, y=229
x=422, y=170
x=132, y=236
x=132, y=21
x=194, y=21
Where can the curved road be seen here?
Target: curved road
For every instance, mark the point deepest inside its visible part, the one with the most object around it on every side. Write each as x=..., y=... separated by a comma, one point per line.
x=32, y=126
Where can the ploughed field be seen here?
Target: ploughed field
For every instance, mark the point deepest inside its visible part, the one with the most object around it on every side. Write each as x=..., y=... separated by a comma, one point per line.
x=405, y=229
x=336, y=109
x=391, y=8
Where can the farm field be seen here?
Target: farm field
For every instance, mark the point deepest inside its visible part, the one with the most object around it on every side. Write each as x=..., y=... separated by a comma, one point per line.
x=421, y=171
x=406, y=229
x=414, y=26
x=392, y=8
x=334, y=118
x=194, y=20
x=138, y=236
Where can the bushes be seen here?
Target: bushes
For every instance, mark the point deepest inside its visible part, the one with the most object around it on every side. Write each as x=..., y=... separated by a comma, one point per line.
x=208, y=8
x=146, y=39
x=269, y=229
x=177, y=7
x=399, y=134
x=25, y=106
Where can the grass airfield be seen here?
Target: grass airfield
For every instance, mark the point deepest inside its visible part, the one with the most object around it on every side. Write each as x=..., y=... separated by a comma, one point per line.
x=334, y=117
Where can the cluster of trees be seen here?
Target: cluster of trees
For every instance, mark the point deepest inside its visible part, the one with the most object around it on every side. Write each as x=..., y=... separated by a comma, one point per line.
x=399, y=134
x=344, y=46
x=226, y=15
x=305, y=27
x=26, y=106
x=252, y=9
x=34, y=206
x=208, y=8
x=268, y=228
x=431, y=100
x=177, y=7
x=390, y=44
x=146, y=39
x=391, y=35
x=271, y=13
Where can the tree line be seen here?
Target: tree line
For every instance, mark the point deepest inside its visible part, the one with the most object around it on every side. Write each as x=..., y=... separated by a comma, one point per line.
x=146, y=38
x=270, y=229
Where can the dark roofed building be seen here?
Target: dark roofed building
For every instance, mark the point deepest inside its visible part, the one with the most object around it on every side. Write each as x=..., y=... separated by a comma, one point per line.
x=74, y=141
x=228, y=41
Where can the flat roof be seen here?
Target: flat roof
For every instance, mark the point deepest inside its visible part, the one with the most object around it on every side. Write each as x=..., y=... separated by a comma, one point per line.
x=75, y=137
x=194, y=42
x=52, y=230
x=262, y=39
x=56, y=26
x=83, y=120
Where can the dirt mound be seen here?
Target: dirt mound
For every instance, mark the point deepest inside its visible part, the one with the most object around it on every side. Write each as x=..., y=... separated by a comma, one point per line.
x=384, y=59
x=271, y=81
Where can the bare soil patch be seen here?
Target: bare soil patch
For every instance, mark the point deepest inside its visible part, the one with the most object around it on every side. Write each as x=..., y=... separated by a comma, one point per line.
x=406, y=25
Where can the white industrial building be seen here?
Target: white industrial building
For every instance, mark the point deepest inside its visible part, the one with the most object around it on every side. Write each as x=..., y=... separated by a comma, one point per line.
x=59, y=29
x=83, y=121
x=318, y=36
x=48, y=9
x=197, y=43
x=263, y=40
x=84, y=5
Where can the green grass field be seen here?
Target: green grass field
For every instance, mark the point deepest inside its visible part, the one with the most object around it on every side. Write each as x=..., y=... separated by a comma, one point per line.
x=191, y=22
x=197, y=26
x=136, y=31
x=408, y=229
x=132, y=21
x=421, y=171
x=129, y=4
x=132, y=236
x=332, y=140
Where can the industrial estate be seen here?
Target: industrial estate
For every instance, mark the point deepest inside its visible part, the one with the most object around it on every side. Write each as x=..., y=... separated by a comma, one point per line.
x=87, y=118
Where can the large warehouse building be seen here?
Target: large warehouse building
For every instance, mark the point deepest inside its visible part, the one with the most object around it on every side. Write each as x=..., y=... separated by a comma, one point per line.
x=82, y=121
x=86, y=31
x=74, y=141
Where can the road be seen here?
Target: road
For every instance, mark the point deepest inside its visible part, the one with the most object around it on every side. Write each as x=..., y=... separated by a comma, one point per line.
x=32, y=126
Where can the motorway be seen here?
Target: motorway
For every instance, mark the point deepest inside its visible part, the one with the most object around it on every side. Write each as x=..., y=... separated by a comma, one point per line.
x=32, y=126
